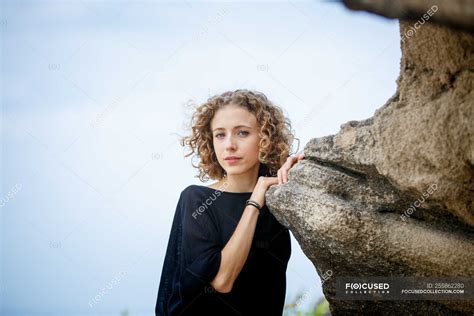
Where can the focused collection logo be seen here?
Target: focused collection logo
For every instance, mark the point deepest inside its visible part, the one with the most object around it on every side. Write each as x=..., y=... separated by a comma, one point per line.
x=404, y=288
x=367, y=288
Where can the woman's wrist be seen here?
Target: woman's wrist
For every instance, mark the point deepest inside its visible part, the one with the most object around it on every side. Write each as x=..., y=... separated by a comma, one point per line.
x=252, y=209
x=254, y=204
x=257, y=199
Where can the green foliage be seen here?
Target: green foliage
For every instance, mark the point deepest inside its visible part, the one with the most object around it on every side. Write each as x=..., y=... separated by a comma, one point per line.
x=124, y=313
x=321, y=308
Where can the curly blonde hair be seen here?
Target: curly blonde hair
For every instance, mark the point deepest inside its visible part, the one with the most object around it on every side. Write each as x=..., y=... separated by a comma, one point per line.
x=275, y=132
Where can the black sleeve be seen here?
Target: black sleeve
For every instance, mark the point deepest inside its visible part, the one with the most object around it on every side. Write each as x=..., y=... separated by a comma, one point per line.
x=201, y=247
x=193, y=254
x=170, y=270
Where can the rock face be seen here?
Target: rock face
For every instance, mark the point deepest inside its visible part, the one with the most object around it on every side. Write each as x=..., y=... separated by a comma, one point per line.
x=393, y=195
x=454, y=13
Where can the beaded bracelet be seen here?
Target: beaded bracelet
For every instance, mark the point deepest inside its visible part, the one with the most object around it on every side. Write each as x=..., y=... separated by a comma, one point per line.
x=250, y=202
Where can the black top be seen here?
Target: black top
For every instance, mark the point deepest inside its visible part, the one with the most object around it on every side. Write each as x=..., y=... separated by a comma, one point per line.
x=203, y=223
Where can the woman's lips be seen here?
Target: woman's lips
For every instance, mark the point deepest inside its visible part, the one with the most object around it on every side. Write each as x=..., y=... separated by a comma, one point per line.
x=233, y=160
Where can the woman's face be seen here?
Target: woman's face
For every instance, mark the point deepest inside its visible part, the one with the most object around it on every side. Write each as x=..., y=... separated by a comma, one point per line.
x=235, y=132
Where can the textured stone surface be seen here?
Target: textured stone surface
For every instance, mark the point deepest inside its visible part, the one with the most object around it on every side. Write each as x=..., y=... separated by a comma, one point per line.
x=455, y=13
x=347, y=202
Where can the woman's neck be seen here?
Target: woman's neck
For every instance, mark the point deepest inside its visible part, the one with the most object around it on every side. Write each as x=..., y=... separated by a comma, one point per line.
x=244, y=182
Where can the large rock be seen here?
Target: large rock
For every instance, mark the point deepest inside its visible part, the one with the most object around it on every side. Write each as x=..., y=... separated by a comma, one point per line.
x=393, y=195
x=455, y=13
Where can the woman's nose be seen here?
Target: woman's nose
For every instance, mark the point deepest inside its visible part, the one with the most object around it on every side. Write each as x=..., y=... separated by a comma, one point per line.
x=230, y=143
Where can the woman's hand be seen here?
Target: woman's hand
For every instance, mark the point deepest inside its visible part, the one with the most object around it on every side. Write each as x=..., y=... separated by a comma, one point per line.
x=263, y=183
x=283, y=171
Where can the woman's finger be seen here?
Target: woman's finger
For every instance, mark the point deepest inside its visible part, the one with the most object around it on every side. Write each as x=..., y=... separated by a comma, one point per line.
x=288, y=165
x=272, y=180
x=284, y=171
x=297, y=157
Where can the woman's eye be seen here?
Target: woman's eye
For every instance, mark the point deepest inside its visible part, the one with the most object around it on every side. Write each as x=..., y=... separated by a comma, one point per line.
x=221, y=134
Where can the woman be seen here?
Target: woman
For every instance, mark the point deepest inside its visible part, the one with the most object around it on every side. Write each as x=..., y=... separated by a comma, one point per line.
x=227, y=254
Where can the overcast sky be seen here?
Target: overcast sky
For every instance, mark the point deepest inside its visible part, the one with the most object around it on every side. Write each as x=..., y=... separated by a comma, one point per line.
x=93, y=98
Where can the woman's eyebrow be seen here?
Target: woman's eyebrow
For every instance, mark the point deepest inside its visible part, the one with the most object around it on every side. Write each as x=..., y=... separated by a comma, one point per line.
x=233, y=128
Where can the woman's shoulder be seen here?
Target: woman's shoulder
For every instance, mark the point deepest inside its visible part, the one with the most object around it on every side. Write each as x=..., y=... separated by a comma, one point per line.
x=195, y=201
x=196, y=194
x=194, y=189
